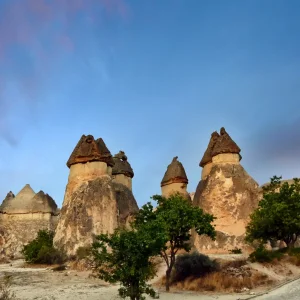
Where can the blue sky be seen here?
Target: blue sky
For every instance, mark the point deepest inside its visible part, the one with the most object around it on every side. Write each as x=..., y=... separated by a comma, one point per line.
x=152, y=78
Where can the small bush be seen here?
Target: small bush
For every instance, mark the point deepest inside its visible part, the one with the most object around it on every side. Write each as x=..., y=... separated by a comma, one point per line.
x=236, y=251
x=41, y=250
x=263, y=255
x=83, y=252
x=193, y=265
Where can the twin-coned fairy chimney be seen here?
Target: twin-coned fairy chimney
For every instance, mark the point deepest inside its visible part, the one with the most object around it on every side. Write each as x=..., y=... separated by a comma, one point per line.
x=98, y=195
x=122, y=175
x=226, y=191
x=22, y=216
x=90, y=205
x=175, y=180
x=27, y=204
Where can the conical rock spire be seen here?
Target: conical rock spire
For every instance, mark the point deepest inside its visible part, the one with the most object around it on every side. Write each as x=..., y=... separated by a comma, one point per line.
x=175, y=173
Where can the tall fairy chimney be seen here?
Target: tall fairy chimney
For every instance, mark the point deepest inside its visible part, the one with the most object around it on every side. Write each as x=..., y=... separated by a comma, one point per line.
x=175, y=180
x=122, y=171
x=226, y=191
x=90, y=206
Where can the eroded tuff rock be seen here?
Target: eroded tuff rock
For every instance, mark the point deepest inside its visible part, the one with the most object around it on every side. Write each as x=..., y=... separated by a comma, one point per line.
x=228, y=192
x=126, y=202
x=22, y=216
x=88, y=210
x=122, y=175
x=98, y=195
x=231, y=195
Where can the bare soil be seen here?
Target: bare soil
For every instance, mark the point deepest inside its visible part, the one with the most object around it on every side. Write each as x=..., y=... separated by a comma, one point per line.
x=43, y=283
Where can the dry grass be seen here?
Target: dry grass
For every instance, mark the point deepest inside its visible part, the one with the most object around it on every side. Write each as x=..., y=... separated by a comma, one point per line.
x=292, y=259
x=233, y=264
x=5, y=289
x=220, y=282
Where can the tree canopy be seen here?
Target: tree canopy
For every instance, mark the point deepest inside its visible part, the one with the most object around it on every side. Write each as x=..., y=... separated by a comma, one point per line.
x=278, y=214
x=176, y=217
x=125, y=257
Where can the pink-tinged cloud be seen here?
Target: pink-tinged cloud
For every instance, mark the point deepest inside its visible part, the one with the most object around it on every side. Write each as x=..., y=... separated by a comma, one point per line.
x=42, y=31
x=23, y=21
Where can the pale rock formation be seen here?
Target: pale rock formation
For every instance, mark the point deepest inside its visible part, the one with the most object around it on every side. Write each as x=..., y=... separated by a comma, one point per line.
x=22, y=216
x=227, y=191
x=89, y=207
x=122, y=175
x=175, y=180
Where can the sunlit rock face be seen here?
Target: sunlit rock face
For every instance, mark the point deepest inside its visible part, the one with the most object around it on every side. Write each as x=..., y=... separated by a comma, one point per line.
x=90, y=206
x=175, y=180
x=98, y=196
x=228, y=192
x=22, y=216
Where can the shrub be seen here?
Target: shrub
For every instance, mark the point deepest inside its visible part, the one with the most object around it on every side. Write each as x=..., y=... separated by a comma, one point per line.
x=41, y=250
x=222, y=282
x=236, y=251
x=263, y=255
x=193, y=265
x=83, y=252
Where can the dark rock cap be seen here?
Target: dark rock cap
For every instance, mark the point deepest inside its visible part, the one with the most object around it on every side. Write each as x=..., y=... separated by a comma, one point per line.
x=121, y=165
x=175, y=173
x=207, y=157
x=225, y=144
x=88, y=149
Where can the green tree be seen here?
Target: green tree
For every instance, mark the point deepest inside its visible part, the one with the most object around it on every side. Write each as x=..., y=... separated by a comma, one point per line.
x=125, y=257
x=278, y=214
x=176, y=217
x=41, y=250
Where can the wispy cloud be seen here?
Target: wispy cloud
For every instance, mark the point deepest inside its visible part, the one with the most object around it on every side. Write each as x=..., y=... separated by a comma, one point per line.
x=35, y=35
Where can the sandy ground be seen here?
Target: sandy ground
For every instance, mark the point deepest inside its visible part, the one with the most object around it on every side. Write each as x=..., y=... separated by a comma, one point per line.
x=43, y=283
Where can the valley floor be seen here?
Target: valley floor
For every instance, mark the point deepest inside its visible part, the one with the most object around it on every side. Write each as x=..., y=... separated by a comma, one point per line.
x=43, y=283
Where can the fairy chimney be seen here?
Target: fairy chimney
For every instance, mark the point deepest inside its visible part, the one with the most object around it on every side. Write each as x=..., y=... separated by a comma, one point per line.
x=227, y=191
x=22, y=216
x=175, y=180
x=89, y=207
x=122, y=171
x=122, y=175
